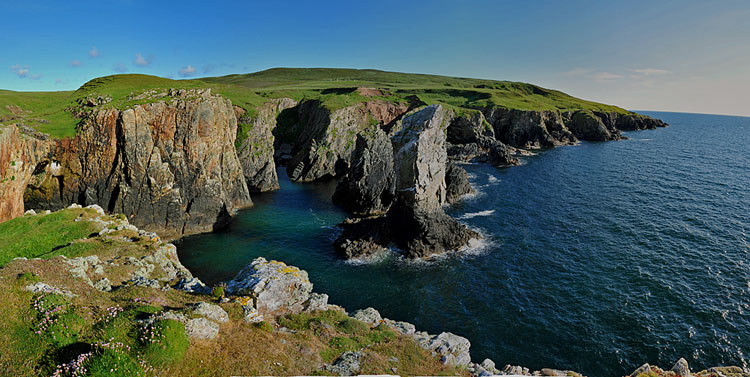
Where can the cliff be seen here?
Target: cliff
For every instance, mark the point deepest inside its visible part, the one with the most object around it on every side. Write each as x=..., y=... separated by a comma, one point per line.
x=19, y=156
x=170, y=166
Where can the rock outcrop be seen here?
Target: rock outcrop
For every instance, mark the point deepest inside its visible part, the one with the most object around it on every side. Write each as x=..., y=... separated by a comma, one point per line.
x=19, y=156
x=256, y=146
x=170, y=166
x=369, y=186
x=456, y=182
x=273, y=288
x=326, y=143
x=415, y=222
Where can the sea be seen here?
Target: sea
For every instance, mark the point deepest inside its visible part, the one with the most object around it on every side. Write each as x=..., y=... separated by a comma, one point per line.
x=596, y=258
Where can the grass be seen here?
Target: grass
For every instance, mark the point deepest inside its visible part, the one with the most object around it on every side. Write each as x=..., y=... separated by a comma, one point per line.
x=41, y=332
x=49, y=112
x=44, y=236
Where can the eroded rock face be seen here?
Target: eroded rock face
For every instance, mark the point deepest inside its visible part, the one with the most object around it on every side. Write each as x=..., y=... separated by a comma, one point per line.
x=326, y=144
x=585, y=125
x=19, y=156
x=256, y=151
x=169, y=167
x=415, y=222
x=529, y=129
x=369, y=186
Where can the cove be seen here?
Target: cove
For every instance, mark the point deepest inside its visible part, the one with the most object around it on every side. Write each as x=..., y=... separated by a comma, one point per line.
x=597, y=258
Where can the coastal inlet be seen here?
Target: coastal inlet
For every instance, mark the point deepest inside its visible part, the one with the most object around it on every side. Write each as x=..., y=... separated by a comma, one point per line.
x=597, y=257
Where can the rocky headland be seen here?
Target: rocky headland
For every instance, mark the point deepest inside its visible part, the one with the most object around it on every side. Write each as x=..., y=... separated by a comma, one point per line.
x=183, y=161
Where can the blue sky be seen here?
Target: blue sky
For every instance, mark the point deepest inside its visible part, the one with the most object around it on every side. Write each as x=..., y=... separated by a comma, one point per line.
x=647, y=55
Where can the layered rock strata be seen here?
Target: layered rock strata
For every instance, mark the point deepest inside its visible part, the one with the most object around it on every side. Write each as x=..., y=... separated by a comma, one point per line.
x=168, y=166
x=256, y=148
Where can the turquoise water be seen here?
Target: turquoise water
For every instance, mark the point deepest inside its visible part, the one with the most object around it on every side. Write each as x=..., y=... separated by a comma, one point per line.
x=599, y=257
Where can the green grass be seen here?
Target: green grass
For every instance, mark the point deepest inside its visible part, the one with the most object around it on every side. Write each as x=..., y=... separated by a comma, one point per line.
x=336, y=88
x=44, y=236
x=169, y=345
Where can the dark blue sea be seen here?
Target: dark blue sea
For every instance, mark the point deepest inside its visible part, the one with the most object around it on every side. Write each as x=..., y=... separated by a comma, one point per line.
x=598, y=257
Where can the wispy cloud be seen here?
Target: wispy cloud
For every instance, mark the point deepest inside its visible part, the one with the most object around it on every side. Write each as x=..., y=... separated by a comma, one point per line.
x=58, y=81
x=578, y=72
x=75, y=63
x=93, y=52
x=143, y=62
x=187, y=71
x=647, y=74
x=606, y=76
x=22, y=71
x=119, y=67
x=208, y=68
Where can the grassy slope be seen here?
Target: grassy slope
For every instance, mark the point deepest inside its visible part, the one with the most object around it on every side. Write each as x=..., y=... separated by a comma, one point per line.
x=334, y=87
x=40, y=332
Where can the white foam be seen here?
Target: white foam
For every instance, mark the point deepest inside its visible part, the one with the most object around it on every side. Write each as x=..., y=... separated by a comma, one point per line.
x=371, y=259
x=492, y=179
x=472, y=215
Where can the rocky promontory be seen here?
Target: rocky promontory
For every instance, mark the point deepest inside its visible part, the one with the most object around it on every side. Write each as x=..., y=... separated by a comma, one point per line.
x=169, y=166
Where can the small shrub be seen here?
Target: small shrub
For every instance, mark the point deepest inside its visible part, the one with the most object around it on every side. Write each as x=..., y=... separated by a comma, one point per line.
x=353, y=326
x=217, y=292
x=27, y=278
x=264, y=326
x=114, y=363
x=300, y=321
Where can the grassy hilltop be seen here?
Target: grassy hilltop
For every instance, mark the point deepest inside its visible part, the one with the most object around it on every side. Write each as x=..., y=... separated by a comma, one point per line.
x=50, y=112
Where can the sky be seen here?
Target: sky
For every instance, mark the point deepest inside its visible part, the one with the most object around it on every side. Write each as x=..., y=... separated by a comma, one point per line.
x=687, y=56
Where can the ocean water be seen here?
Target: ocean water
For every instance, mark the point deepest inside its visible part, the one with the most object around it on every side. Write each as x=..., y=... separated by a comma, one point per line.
x=597, y=258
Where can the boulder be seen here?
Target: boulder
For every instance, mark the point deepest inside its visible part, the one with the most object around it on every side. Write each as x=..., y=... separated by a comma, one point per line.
x=369, y=316
x=501, y=155
x=456, y=182
x=452, y=349
x=681, y=368
x=347, y=364
x=316, y=302
x=211, y=311
x=276, y=288
x=201, y=328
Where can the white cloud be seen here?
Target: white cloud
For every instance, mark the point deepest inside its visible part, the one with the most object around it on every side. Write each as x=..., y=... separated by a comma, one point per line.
x=650, y=71
x=606, y=76
x=141, y=61
x=35, y=77
x=58, y=81
x=93, y=52
x=75, y=63
x=186, y=71
x=20, y=71
x=119, y=67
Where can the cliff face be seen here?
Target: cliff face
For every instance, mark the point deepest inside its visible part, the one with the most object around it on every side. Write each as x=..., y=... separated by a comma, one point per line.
x=170, y=167
x=19, y=156
x=326, y=144
x=415, y=221
x=256, y=151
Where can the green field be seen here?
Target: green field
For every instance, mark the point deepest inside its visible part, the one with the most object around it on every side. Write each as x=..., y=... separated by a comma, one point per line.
x=49, y=112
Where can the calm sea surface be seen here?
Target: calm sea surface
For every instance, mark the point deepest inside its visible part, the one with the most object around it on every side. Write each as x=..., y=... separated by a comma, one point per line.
x=598, y=257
